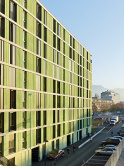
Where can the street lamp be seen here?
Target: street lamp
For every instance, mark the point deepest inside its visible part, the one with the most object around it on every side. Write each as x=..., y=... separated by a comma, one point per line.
x=45, y=150
x=30, y=118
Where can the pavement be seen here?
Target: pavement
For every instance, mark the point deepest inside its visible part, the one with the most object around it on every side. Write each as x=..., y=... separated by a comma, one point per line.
x=121, y=159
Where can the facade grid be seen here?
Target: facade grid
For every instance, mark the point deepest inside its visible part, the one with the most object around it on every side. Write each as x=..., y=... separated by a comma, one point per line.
x=45, y=83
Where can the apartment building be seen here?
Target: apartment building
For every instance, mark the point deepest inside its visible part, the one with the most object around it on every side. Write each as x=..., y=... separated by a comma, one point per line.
x=101, y=104
x=45, y=83
x=109, y=95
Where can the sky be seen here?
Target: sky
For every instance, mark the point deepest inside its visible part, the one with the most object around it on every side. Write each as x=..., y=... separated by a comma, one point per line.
x=99, y=26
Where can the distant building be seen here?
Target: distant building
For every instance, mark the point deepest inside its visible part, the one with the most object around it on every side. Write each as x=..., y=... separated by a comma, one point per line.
x=109, y=95
x=101, y=104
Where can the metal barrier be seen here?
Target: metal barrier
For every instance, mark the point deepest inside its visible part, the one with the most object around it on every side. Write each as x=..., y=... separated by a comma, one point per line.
x=115, y=156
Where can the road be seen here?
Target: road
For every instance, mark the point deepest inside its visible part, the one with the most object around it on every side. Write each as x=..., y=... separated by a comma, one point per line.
x=85, y=152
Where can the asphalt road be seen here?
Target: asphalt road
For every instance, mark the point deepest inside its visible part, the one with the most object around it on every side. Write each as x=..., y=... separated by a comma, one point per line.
x=85, y=152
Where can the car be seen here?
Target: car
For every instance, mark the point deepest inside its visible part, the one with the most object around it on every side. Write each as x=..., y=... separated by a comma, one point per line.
x=121, y=133
x=109, y=146
x=104, y=151
x=55, y=154
x=112, y=141
x=112, y=122
x=114, y=137
x=118, y=137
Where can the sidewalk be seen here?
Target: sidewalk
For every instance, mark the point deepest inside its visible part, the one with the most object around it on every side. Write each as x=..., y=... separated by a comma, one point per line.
x=121, y=159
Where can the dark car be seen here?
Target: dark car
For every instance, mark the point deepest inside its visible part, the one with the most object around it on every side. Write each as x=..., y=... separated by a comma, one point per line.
x=55, y=154
x=113, y=141
x=121, y=133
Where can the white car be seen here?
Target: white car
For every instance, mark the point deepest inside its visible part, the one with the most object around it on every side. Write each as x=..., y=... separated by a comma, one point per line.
x=109, y=146
x=112, y=122
x=104, y=151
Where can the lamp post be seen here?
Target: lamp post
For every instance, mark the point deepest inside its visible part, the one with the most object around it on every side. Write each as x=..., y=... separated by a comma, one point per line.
x=30, y=118
x=45, y=150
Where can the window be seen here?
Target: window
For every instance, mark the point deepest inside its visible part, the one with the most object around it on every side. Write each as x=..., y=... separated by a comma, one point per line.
x=45, y=84
x=1, y=50
x=54, y=132
x=12, y=121
x=58, y=29
x=39, y=11
x=70, y=53
x=54, y=41
x=45, y=34
x=57, y=115
x=1, y=147
x=2, y=26
x=73, y=55
x=38, y=88
x=25, y=3
x=73, y=43
x=1, y=98
x=12, y=59
x=12, y=78
x=12, y=99
x=38, y=118
x=24, y=59
x=58, y=44
x=11, y=143
x=38, y=136
x=1, y=74
x=38, y=29
x=54, y=25
x=58, y=102
x=63, y=34
x=70, y=40
x=54, y=60
x=23, y=119
x=58, y=130
x=24, y=39
x=80, y=49
x=45, y=51
x=1, y=122
x=54, y=101
x=38, y=47
x=24, y=140
x=45, y=17
x=13, y=11
x=44, y=118
x=38, y=65
x=2, y=6
x=54, y=115
x=24, y=18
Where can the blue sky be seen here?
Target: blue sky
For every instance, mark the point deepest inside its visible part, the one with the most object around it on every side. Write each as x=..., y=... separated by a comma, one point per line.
x=99, y=26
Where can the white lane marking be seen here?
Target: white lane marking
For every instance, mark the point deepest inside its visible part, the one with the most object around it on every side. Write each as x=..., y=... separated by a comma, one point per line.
x=87, y=160
x=90, y=138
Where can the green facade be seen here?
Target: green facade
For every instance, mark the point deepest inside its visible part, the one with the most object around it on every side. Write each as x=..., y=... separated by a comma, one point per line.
x=47, y=73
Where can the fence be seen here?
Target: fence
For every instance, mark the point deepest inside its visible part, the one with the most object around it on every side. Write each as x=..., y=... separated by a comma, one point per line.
x=115, y=156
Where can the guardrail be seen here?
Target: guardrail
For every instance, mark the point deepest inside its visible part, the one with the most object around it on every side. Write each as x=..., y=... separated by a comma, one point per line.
x=115, y=156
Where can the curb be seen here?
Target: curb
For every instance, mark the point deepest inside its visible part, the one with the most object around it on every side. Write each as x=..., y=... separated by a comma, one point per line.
x=90, y=138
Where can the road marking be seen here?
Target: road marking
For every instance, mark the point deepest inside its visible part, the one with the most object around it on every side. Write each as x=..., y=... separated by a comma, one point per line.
x=110, y=130
x=90, y=138
x=88, y=160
